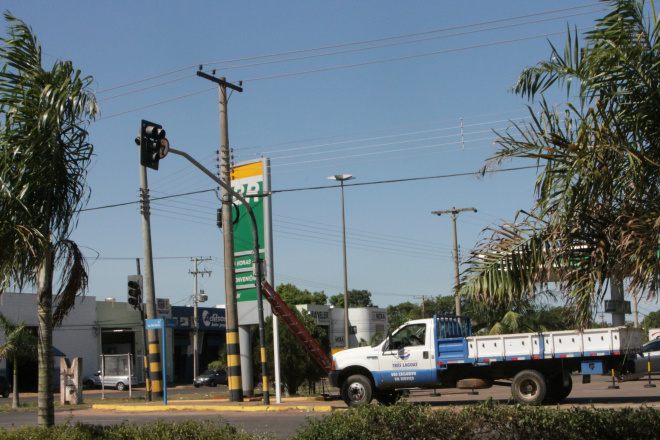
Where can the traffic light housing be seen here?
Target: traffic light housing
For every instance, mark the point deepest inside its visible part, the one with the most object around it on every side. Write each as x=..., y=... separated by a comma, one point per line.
x=135, y=291
x=153, y=144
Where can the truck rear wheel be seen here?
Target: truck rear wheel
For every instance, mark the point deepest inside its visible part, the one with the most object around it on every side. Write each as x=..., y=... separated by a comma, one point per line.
x=356, y=390
x=529, y=387
x=557, y=391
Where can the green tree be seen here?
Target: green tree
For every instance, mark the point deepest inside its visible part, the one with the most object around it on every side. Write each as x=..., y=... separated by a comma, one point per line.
x=296, y=364
x=652, y=320
x=438, y=305
x=292, y=295
x=44, y=155
x=595, y=218
x=535, y=318
x=398, y=314
x=19, y=343
x=356, y=298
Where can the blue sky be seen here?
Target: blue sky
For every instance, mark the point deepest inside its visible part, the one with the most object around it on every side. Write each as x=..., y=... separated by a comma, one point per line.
x=383, y=90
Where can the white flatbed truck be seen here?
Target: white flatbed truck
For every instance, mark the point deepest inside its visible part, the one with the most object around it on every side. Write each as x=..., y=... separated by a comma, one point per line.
x=442, y=353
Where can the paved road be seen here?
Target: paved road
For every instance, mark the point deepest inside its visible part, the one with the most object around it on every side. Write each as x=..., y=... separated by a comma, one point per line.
x=284, y=422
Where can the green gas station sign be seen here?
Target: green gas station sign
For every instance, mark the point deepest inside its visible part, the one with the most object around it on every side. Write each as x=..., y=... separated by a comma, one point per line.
x=247, y=180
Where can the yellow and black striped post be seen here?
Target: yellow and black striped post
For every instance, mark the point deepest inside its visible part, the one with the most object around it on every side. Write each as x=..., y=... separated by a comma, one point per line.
x=146, y=378
x=234, y=366
x=155, y=365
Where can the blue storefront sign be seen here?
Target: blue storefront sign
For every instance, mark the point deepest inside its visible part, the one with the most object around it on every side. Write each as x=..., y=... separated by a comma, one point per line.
x=210, y=319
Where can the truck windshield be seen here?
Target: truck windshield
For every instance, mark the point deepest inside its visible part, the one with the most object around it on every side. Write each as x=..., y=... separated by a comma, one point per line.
x=409, y=336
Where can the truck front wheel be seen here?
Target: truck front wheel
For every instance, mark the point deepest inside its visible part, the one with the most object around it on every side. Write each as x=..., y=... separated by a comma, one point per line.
x=356, y=390
x=529, y=387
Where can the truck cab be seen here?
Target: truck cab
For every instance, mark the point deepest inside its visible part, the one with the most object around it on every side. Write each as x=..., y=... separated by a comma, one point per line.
x=405, y=359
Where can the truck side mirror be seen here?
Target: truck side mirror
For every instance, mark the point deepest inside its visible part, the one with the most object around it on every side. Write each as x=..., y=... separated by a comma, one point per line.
x=388, y=342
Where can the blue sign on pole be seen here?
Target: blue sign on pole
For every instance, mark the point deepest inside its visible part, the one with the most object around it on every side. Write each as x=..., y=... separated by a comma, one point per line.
x=153, y=324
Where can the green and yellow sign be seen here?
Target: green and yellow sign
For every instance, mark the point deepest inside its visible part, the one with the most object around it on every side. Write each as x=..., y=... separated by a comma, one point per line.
x=248, y=180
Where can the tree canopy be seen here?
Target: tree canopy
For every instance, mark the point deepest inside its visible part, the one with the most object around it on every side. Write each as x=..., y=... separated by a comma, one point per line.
x=292, y=295
x=356, y=298
x=596, y=220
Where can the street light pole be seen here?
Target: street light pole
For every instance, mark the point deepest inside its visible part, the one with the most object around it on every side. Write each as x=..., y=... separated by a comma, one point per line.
x=342, y=178
x=454, y=213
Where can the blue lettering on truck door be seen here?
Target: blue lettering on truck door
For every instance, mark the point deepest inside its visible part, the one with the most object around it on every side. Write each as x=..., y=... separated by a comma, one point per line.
x=408, y=360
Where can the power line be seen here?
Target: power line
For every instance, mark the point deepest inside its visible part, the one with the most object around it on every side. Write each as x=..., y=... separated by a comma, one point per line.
x=420, y=40
x=347, y=66
x=410, y=179
x=138, y=201
x=354, y=43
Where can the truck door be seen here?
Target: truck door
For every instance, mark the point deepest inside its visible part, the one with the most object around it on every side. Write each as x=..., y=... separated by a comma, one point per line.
x=407, y=360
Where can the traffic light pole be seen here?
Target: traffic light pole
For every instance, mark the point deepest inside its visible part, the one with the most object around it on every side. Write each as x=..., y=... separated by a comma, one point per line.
x=155, y=366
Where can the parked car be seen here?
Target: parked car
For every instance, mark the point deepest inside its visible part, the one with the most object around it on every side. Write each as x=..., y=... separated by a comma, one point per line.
x=119, y=382
x=211, y=378
x=651, y=352
x=5, y=387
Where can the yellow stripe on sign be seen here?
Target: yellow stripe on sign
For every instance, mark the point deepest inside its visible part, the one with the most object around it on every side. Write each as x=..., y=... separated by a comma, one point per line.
x=249, y=170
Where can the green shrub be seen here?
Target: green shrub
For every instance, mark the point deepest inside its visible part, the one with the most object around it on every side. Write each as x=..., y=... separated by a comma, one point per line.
x=488, y=420
x=158, y=430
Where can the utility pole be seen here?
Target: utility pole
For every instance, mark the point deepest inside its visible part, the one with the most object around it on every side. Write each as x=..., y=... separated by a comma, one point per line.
x=454, y=213
x=231, y=307
x=195, y=316
x=423, y=298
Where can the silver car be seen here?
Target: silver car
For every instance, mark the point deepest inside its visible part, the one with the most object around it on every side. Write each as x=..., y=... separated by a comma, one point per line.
x=651, y=352
x=119, y=382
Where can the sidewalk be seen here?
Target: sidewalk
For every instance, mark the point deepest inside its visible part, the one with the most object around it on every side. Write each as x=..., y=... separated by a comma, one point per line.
x=311, y=404
x=596, y=394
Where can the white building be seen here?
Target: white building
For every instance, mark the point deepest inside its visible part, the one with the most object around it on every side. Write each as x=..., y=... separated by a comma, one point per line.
x=76, y=338
x=363, y=323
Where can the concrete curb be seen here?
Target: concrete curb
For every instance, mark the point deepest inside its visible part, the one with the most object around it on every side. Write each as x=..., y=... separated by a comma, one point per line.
x=205, y=407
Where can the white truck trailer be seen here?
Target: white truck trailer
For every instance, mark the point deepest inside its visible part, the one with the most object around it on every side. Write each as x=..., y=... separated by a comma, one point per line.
x=442, y=353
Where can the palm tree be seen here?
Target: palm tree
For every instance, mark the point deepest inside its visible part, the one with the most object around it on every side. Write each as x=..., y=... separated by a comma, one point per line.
x=595, y=221
x=44, y=155
x=19, y=343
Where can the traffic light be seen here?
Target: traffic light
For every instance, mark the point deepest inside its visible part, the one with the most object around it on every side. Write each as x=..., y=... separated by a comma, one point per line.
x=153, y=144
x=135, y=291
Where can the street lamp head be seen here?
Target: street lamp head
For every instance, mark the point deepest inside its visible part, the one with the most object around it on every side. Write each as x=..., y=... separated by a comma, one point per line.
x=341, y=177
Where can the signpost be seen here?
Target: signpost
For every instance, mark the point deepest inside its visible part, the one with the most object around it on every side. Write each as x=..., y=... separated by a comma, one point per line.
x=154, y=324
